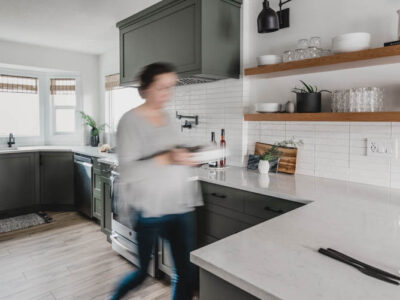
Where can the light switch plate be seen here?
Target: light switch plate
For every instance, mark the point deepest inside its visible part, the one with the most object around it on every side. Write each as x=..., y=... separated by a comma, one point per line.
x=383, y=147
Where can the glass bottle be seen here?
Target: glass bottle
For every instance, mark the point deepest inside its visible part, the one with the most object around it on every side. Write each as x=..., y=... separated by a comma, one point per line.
x=222, y=144
x=213, y=164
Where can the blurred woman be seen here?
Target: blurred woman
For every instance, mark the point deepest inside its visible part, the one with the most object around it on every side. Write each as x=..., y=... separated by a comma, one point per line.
x=155, y=182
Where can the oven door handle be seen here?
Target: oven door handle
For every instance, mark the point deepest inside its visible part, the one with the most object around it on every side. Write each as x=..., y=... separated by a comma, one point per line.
x=114, y=239
x=112, y=181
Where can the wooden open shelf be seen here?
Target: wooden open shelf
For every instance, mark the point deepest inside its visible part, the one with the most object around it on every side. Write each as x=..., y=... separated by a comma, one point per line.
x=372, y=57
x=327, y=117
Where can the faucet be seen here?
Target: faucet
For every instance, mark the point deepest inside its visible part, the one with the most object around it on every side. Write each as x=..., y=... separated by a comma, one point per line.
x=11, y=140
x=187, y=125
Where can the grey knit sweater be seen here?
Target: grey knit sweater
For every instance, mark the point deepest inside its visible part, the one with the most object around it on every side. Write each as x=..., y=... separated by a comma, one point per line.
x=146, y=186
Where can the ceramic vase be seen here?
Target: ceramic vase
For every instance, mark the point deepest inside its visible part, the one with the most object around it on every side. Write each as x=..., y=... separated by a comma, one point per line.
x=263, y=166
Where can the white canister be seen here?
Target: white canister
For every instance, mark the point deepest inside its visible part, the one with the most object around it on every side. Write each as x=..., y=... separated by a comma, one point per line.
x=263, y=167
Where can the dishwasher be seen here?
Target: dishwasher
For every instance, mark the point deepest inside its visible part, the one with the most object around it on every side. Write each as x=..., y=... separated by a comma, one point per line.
x=83, y=172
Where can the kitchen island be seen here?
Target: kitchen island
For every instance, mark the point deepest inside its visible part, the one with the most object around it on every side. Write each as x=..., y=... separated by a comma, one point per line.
x=279, y=259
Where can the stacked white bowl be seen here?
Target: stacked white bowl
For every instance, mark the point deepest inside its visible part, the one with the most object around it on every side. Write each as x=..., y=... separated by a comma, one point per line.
x=269, y=60
x=268, y=107
x=351, y=42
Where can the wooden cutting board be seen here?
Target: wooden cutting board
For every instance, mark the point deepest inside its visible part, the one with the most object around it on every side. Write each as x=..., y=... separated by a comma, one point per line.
x=287, y=163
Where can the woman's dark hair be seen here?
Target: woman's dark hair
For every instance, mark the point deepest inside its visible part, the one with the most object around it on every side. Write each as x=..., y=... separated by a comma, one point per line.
x=149, y=72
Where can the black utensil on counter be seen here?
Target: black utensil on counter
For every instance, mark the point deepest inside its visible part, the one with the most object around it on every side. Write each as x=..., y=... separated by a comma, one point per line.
x=387, y=274
x=365, y=270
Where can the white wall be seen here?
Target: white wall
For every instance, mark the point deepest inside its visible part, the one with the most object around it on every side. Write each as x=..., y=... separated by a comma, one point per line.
x=85, y=65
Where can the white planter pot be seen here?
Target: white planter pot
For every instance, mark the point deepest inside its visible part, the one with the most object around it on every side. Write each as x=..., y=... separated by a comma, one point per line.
x=263, y=167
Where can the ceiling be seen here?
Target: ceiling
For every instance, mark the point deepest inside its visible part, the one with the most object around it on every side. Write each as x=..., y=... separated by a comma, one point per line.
x=80, y=25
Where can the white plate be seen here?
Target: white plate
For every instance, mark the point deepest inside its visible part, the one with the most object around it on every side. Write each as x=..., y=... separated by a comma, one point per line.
x=208, y=154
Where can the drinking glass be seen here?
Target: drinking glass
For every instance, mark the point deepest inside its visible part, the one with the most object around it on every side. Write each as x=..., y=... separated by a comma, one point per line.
x=315, y=42
x=302, y=44
x=313, y=52
x=334, y=101
x=288, y=56
x=339, y=99
x=300, y=54
x=326, y=52
x=346, y=101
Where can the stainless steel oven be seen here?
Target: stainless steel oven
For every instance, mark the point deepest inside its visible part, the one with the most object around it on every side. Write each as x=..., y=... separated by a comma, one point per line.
x=123, y=237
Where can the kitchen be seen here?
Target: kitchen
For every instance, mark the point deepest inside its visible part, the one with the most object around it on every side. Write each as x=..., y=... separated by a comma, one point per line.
x=333, y=182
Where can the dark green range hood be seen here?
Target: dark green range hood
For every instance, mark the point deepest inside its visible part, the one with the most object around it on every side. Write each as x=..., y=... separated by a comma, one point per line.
x=200, y=37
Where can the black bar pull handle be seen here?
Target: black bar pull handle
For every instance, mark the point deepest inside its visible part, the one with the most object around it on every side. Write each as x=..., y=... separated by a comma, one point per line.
x=277, y=211
x=218, y=195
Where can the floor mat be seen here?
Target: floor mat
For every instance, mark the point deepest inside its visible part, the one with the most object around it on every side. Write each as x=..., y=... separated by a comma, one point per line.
x=20, y=222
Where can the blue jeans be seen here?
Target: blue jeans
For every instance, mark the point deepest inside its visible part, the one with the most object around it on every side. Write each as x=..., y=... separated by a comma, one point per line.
x=179, y=230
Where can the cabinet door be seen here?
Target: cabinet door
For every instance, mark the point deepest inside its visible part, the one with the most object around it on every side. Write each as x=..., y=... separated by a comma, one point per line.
x=106, y=224
x=57, y=178
x=166, y=262
x=18, y=181
x=97, y=196
x=161, y=35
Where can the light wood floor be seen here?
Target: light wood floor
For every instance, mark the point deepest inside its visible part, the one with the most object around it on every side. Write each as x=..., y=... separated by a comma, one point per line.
x=66, y=259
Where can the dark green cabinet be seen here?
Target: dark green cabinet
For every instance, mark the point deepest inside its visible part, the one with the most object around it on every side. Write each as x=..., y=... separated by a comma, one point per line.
x=227, y=211
x=97, y=195
x=19, y=179
x=200, y=37
x=102, y=195
x=56, y=179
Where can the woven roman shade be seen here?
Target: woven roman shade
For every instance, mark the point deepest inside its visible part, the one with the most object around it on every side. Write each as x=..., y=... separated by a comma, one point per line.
x=63, y=86
x=18, y=84
x=112, y=82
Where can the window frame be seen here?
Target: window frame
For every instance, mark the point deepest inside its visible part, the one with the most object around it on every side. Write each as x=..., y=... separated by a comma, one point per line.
x=55, y=107
x=30, y=140
x=54, y=137
x=47, y=130
x=108, y=108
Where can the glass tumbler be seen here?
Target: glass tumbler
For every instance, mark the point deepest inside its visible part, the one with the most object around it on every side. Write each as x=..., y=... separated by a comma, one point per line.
x=300, y=54
x=334, y=101
x=288, y=56
x=302, y=44
x=315, y=42
x=313, y=52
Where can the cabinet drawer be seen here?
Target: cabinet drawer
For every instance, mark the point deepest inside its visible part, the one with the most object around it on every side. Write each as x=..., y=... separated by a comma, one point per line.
x=266, y=207
x=223, y=196
x=219, y=226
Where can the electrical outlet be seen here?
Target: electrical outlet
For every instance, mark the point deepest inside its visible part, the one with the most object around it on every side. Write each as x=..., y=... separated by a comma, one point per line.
x=383, y=147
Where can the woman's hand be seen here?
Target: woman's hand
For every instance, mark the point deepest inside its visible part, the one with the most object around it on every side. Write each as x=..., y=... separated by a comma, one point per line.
x=177, y=157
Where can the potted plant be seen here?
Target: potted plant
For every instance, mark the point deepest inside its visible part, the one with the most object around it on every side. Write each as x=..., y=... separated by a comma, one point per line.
x=95, y=129
x=269, y=158
x=308, y=98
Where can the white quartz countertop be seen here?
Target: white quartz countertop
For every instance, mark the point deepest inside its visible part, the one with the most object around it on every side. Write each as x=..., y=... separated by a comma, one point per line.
x=279, y=258
x=110, y=158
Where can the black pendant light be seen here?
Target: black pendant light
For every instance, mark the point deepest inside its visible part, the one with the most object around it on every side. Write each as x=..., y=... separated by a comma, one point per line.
x=268, y=20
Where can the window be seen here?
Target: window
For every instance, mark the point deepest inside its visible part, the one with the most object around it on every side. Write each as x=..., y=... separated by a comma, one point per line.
x=20, y=106
x=63, y=97
x=119, y=100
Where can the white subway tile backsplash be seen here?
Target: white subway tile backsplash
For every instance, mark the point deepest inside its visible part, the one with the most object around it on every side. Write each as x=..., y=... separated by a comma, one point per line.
x=335, y=150
x=331, y=149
